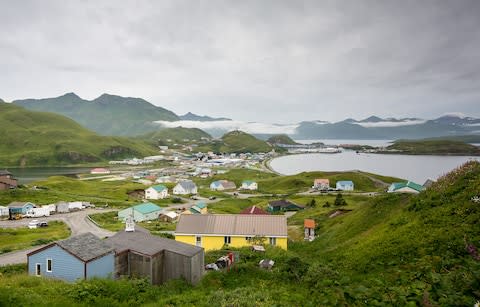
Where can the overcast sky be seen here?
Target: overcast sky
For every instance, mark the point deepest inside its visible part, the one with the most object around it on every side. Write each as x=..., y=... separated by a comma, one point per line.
x=269, y=61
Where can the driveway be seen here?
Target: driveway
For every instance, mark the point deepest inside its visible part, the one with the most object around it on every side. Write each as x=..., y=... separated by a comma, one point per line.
x=77, y=221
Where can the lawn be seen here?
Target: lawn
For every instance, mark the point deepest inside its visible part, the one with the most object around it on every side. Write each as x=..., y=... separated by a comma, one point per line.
x=109, y=221
x=21, y=238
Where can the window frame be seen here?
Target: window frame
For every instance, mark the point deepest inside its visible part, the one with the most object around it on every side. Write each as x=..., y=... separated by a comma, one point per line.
x=47, y=266
x=227, y=240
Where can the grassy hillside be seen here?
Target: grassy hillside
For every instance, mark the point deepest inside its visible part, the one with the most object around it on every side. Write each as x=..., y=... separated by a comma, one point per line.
x=303, y=181
x=106, y=115
x=441, y=147
x=237, y=142
x=461, y=138
x=176, y=134
x=281, y=139
x=392, y=250
x=35, y=138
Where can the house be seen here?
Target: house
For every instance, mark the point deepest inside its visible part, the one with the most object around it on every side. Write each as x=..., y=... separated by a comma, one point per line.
x=199, y=208
x=283, y=205
x=80, y=257
x=213, y=231
x=405, y=187
x=254, y=210
x=158, y=191
x=428, y=183
x=185, y=187
x=249, y=185
x=20, y=208
x=140, y=254
x=141, y=212
x=345, y=185
x=3, y=211
x=321, y=184
x=7, y=181
x=221, y=185
x=100, y=170
x=309, y=227
x=168, y=216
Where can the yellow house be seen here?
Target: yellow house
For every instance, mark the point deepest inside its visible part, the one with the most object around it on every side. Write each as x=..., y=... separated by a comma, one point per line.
x=213, y=231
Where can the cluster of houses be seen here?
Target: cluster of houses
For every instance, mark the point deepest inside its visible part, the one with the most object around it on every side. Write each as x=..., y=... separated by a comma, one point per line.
x=323, y=184
x=17, y=210
x=149, y=212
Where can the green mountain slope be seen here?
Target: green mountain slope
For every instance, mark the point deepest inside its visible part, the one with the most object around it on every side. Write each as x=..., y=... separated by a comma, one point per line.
x=176, y=134
x=281, y=139
x=237, y=142
x=106, y=115
x=439, y=146
x=31, y=138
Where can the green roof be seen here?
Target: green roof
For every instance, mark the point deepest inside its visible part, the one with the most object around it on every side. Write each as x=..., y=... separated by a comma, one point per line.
x=159, y=187
x=201, y=205
x=146, y=208
x=409, y=184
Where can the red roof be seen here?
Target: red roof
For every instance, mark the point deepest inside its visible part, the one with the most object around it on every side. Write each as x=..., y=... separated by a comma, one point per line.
x=254, y=210
x=308, y=223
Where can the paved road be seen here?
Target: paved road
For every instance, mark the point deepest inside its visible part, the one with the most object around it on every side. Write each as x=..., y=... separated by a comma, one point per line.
x=77, y=221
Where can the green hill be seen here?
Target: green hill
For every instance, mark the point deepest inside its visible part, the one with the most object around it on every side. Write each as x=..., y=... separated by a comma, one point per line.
x=31, y=138
x=237, y=142
x=441, y=147
x=106, y=115
x=176, y=134
x=393, y=250
x=281, y=139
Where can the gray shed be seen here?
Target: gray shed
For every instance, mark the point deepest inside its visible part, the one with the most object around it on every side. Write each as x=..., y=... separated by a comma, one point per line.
x=140, y=254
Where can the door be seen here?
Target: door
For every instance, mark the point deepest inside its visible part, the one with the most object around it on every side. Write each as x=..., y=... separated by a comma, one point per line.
x=38, y=269
x=198, y=241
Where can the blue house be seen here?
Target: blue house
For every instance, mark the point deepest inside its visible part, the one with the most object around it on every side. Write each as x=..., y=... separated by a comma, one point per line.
x=18, y=207
x=80, y=257
x=345, y=185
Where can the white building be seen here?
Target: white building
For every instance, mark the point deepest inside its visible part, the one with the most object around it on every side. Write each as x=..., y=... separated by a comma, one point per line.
x=185, y=187
x=249, y=185
x=158, y=191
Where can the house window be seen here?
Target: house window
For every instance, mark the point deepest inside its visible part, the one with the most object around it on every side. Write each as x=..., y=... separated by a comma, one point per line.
x=198, y=241
x=227, y=240
x=248, y=239
x=273, y=241
x=38, y=269
x=49, y=265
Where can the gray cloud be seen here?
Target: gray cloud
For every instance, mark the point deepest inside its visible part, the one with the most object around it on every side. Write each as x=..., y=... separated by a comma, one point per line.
x=270, y=61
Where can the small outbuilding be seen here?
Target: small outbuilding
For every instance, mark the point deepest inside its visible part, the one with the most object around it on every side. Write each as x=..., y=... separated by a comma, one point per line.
x=283, y=205
x=140, y=254
x=309, y=227
x=80, y=257
x=19, y=208
x=168, y=216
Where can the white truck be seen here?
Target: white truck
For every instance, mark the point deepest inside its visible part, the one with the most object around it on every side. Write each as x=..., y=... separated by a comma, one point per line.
x=38, y=212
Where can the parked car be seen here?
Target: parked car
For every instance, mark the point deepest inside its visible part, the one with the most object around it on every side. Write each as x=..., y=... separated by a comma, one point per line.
x=42, y=224
x=33, y=224
x=212, y=197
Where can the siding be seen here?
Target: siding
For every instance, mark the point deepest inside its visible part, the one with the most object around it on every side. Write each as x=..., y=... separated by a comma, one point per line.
x=102, y=267
x=179, y=266
x=64, y=265
x=217, y=242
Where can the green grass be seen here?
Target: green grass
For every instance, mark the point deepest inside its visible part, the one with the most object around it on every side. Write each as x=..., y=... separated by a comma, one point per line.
x=177, y=135
x=21, y=238
x=304, y=181
x=430, y=147
x=390, y=250
x=236, y=142
x=59, y=188
x=109, y=221
x=38, y=139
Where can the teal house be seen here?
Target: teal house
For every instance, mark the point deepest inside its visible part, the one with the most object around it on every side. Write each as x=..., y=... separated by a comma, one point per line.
x=141, y=212
x=80, y=257
x=405, y=187
x=21, y=208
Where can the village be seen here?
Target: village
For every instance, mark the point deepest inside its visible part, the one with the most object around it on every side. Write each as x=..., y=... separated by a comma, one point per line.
x=134, y=250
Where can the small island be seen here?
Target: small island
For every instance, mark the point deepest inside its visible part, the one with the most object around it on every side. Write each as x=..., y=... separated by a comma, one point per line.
x=430, y=147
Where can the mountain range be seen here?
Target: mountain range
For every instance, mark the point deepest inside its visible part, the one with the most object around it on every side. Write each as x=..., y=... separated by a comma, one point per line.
x=127, y=116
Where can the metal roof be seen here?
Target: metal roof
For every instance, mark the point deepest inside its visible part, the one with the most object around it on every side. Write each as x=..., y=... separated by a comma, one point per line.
x=159, y=187
x=19, y=204
x=232, y=224
x=147, y=244
x=345, y=182
x=86, y=246
x=187, y=185
x=146, y=208
x=5, y=173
